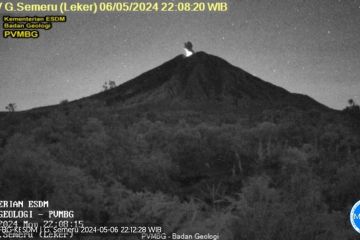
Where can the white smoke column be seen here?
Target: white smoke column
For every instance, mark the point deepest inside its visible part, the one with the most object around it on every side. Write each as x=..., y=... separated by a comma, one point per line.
x=188, y=49
x=188, y=53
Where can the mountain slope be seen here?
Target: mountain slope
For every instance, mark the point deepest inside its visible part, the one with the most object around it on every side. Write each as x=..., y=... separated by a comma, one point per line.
x=203, y=78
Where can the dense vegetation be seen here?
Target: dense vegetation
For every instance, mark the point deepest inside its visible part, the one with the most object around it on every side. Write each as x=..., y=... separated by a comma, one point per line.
x=278, y=174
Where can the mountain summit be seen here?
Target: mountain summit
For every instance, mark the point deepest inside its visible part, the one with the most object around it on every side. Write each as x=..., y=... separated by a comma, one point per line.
x=203, y=78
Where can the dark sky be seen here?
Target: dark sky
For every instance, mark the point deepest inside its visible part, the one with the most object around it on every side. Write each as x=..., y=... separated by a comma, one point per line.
x=305, y=46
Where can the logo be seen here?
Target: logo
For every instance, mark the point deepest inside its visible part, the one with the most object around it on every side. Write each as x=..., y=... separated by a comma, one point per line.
x=355, y=216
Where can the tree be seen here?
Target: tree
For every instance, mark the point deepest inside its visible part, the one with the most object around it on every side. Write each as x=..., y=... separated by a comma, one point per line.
x=351, y=102
x=112, y=84
x=353, y=109
x=109, y=85
x=65, y=101
x=11, y=107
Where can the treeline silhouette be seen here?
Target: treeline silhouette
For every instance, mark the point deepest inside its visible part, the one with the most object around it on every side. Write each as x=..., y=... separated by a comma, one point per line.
x=281, y=174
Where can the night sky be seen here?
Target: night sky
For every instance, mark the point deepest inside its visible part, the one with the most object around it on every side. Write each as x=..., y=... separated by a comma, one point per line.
x=305, y=46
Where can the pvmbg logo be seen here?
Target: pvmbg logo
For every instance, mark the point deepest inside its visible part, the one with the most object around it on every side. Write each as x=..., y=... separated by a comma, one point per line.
x=355, y=216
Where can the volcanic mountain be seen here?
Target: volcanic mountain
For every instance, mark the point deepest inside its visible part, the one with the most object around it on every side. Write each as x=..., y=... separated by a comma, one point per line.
x=203, y=78
x=195, y=145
